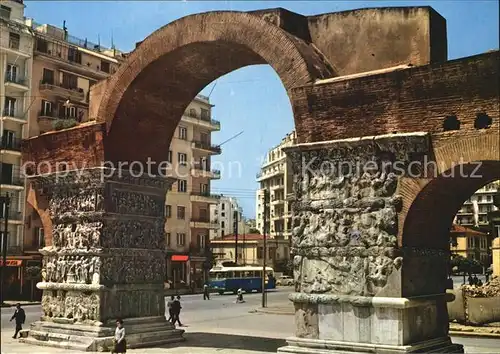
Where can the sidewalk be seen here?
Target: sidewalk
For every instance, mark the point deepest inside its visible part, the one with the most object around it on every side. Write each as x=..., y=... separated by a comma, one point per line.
x=475, y=331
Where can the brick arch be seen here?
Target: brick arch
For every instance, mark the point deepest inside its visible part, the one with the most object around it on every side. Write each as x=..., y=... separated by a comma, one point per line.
x=431, y=214
x=40, y=205
x=148, y=94
x=449, y=149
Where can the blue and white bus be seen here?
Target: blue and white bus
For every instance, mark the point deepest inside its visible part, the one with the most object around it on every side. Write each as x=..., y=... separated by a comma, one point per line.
x=249, y=278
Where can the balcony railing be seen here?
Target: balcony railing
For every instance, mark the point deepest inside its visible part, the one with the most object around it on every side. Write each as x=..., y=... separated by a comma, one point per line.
x=8, y=143
x=15, y=180
x=216, y=173
x=15, y=79
x=13, y=215
x=14, y=44
x=14, y=250
x=62, y=91
x=9, y=112
x=206, y=194
x=207, y=146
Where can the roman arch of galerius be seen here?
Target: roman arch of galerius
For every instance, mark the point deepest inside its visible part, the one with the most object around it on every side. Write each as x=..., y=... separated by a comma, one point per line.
x=392, y=136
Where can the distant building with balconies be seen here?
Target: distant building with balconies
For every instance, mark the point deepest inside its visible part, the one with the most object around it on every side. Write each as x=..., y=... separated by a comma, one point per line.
x=483, y=198
x=189, y=200
x=275, y=177
x=16, y=56
x=225, y=214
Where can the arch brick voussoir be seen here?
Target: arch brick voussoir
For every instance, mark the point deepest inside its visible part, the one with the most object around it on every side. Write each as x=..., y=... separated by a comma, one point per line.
x=296, y=62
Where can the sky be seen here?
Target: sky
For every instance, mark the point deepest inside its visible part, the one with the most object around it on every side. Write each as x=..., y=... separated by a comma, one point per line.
x=251, y=100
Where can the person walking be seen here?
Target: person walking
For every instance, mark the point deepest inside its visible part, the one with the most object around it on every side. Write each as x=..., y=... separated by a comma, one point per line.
x=119, y=340
x=20, y=317
x=170, y=310
x=176, y=310
x=206, y=292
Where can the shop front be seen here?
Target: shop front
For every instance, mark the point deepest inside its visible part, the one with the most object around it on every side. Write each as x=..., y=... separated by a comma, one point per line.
x=177, y=271
x=20, y=279
x=198, y=272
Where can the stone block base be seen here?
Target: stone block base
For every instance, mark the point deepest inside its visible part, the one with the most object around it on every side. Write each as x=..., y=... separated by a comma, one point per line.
x=318, y=346
x=140, y=332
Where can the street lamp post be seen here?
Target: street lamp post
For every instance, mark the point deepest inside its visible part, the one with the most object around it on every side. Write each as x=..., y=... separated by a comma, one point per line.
x=4, y=205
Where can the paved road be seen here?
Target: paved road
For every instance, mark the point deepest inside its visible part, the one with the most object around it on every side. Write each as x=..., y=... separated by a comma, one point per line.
x=195, y=309
x=221, y=326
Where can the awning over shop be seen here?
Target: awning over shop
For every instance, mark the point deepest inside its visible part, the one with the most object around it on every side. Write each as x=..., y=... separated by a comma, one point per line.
x=12, y=262
x=179, y=258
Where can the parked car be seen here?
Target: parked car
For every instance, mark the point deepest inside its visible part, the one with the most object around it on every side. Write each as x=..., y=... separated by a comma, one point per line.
x=285, y=280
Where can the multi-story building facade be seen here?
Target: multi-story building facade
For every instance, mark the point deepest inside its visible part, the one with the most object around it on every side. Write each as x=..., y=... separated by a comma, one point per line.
x=226, y=213
x=483, y=201
x=275, y=177
x=189, y=201
x=16, y=55
x=469, y=243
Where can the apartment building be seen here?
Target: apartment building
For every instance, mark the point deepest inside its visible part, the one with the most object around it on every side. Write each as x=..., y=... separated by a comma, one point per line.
x=470, y=244
x=64, y=69
x=188, y=203
x=226, y=213
x=16, y=49
x=275, y=177
x=478, y=206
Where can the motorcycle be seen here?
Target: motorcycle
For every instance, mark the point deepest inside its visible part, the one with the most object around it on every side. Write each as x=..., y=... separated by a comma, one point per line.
x=239, y=297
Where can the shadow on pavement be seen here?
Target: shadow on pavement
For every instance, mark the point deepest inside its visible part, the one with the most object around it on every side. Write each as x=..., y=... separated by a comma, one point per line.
x=230, y=341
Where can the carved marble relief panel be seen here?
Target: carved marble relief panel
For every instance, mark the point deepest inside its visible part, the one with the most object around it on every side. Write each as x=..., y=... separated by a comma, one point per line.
x=74, y=201
x=134, y=203
x=77, y=306
x=134, y=233
x=344, y=234
x=133, y=269
x=83, y=235
x=80, y=269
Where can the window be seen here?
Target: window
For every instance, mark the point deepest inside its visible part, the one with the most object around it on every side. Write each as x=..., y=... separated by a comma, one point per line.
x=11, y=74
x=223, y=214
x=5, y=12
x=182, y=158
x=167, y=239
x=8, y=138
x=182, y=186
x=14, y=40
x=204, y=138
x=169, y=158
x=48, y=77
x=204, y=188
x=222, y=225
x=260, y=253
x=192, y=113
x=181, y=239
x=42, y=45
x=181, y=212
x=201, y=241
x=205, y=114
x=69, y=81
x=223, y=206
x=74, y=55
x=10, y=106
x=6, y=173
x=183, y=132
x=168, y=211
x=46, y=108
x=105, y=66
x=70, y=112
x=39, y=238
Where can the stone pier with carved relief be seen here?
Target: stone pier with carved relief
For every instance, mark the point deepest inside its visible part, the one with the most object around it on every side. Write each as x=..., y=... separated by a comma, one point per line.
x=106, y=261
x=357, y=289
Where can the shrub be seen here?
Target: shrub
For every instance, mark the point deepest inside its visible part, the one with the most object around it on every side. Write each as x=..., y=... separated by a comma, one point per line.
x=64, y=124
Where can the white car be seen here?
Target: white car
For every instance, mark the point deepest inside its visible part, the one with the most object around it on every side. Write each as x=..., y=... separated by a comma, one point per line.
x=285, y=280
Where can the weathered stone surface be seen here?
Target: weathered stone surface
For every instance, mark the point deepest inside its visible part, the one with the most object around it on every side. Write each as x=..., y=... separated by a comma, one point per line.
x=345, y=212
x=107, y=257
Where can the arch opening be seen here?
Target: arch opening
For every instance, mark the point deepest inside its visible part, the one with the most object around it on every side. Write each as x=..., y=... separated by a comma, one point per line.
x=429, y=221
x=145, y=99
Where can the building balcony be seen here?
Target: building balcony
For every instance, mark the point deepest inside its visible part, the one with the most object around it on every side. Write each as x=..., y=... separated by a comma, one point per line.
x=201, y=197
x=16, y=82
x=260, y=176
x=13, y=46
x=14, y=250
x=15, y=216
x=207, y=147
x=76, y=94
x=277, y=216
x=14, y=182
x=10, y=145
x=278, y=186
x=276, y=201
x=203, y=223
x=14, y=116
x=202, y=121
x=201, y=172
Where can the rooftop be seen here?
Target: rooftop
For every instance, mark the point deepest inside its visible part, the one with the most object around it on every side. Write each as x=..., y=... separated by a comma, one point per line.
x=459, y=229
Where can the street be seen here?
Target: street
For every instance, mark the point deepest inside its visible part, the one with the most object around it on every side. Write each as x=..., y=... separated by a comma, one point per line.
x=223, y=324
